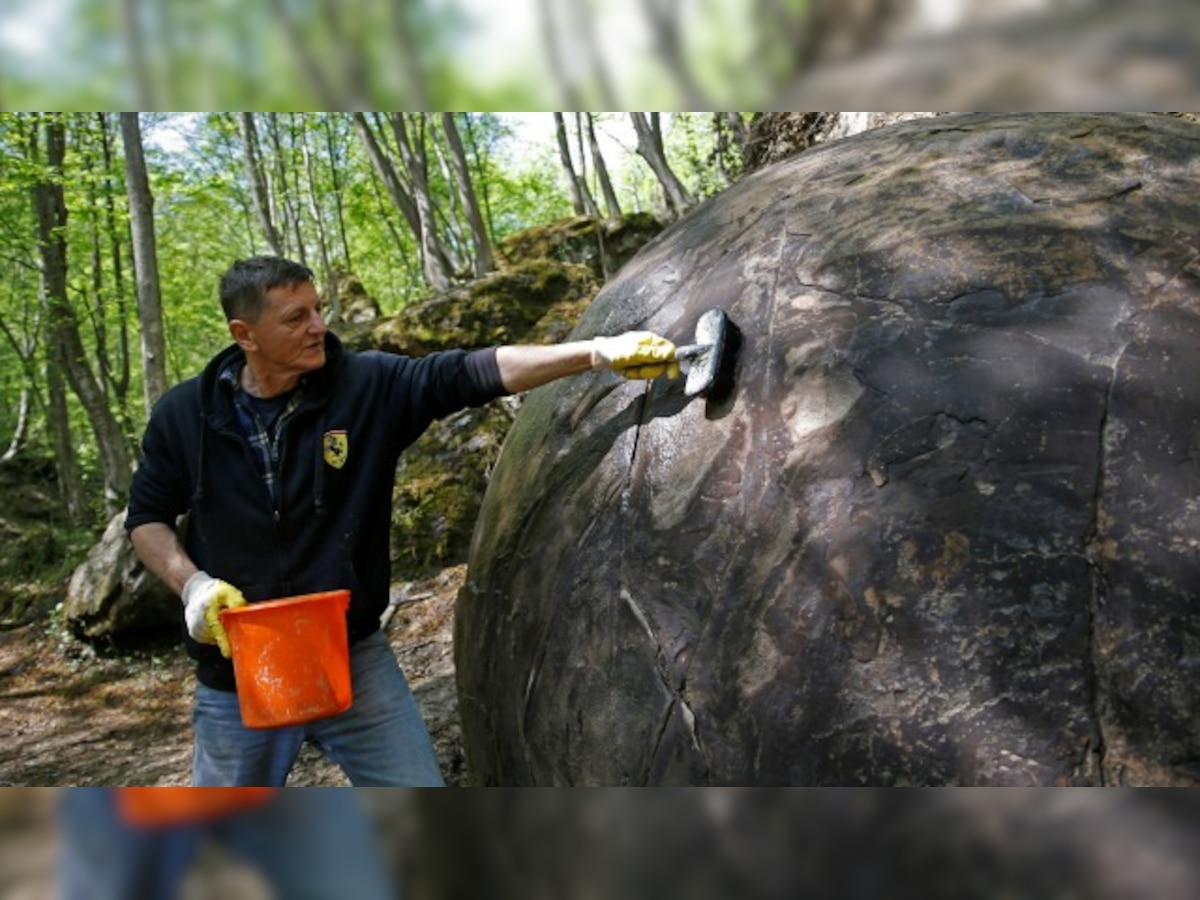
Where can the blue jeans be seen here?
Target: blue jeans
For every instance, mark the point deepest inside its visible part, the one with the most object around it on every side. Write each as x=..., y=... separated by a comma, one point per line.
x=307, y=845
x=380, y=741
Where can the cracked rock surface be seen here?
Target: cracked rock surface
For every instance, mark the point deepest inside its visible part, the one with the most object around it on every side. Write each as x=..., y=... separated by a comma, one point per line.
x=943, y=529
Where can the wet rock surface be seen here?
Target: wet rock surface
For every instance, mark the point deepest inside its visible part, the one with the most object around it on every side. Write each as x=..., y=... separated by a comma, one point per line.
x=941, y=532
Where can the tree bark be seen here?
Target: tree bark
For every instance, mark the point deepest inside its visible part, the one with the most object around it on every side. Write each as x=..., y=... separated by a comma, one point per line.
x=67, y=347
x=284, y=194
x=122, y=377
x=579, y=197
x=384, y=167
x=338, y=198
x=21, y=431
x=650, y=148
x=484, y=261
x=25, y=348
x=610, y=195
x=334, y=313
x=437, y=263
x=252, y=156
x=145, y=263
x=666, y=28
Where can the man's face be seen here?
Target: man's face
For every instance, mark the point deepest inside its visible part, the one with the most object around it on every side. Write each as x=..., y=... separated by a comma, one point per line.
x=289, y=336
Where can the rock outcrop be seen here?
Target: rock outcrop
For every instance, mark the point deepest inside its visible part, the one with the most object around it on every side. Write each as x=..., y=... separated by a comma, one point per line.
x=112, y=596
x=943, y=531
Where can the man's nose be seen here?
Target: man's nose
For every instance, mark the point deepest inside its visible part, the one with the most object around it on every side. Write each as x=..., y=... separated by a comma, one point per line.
x=316, y=322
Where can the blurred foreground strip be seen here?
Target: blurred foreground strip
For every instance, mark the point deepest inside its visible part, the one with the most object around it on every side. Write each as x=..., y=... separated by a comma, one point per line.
x=1099, y=55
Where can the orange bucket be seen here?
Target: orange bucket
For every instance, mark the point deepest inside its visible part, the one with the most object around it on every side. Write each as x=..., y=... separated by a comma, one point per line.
x=291, y=658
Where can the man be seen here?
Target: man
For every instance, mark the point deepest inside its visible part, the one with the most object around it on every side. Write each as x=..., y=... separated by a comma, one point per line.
x=283, y=454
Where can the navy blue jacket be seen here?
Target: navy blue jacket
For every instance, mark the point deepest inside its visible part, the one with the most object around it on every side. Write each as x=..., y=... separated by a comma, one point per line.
x=331, y=528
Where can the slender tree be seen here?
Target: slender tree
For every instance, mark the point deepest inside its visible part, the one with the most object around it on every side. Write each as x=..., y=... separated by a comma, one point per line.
x=665, y=18
x=285, y=197
x=606, y=186
x=650, y=148
x=121, y=377
x=67, y=346
x=381, y=161
x=256, y=175
x=336, y=157
x=483, y=260
x=145, y=262
x=318, y=219
x=581, y=198
x=440, y=265
x=25, y=344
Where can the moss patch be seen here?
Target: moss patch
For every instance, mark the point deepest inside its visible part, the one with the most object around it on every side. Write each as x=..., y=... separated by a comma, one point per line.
x=504, y=307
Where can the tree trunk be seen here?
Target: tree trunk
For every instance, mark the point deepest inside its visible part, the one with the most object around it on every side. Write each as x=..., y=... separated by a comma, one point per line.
x=563, y=74
x=21, y=431
x=145, y=262
x=334, y=313
x=589, y=202
x=731, y=141
x=66, y=461
x=408, y=55
x=258, y=181
x=436, y=260
x=484, y=262
x=666, y=28
x=382, y=163
x=25, y=347
x=338, y=198
x=95, y=267
x=650, y=148
x=564, y=155
x=606, y=186
x=135, y=42
x=121, y=377
x=68, y=350
x=284, y=195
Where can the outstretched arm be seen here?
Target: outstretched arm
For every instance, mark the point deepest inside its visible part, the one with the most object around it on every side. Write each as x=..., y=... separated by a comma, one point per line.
x=635, y=354
x=526, y=366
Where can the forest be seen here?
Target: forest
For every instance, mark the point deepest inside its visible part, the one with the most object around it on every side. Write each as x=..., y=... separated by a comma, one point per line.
x=116, y=228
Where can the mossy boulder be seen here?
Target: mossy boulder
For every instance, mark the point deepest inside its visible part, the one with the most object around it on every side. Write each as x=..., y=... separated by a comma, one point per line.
x=603, y=245
x=351, y=303
x=440, y=484
x=944, y=529
x=536, y=301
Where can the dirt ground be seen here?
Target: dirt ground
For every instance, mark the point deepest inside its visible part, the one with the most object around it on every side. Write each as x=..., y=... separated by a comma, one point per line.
x=74, y=718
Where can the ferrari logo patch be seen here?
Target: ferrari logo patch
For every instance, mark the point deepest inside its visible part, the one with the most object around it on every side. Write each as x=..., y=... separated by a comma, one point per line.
x=337, y=448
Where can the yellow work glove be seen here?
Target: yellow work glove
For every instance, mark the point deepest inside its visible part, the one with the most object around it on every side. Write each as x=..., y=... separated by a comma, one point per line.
x=635, y=354
x=203, y=599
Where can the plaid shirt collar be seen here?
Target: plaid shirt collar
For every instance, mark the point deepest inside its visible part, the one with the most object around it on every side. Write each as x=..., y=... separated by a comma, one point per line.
x=262, y=438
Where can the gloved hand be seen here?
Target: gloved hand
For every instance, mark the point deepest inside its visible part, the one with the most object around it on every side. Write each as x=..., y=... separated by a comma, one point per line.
x=635, y=354
x=203, y=599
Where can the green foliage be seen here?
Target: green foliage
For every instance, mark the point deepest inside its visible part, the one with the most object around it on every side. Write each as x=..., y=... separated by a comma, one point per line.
x=205, y=218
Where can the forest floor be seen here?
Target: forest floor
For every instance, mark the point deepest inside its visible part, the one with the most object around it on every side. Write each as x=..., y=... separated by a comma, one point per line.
x=76, y=717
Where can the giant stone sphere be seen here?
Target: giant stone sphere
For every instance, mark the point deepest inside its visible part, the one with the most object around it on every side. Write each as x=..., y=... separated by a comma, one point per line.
x=945, y=527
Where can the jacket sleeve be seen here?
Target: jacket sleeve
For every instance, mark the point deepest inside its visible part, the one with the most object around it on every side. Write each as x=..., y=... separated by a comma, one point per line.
x=437, y=385
x=159, y=492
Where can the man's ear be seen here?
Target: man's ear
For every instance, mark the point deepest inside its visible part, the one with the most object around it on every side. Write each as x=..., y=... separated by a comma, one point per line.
x=241, y=331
